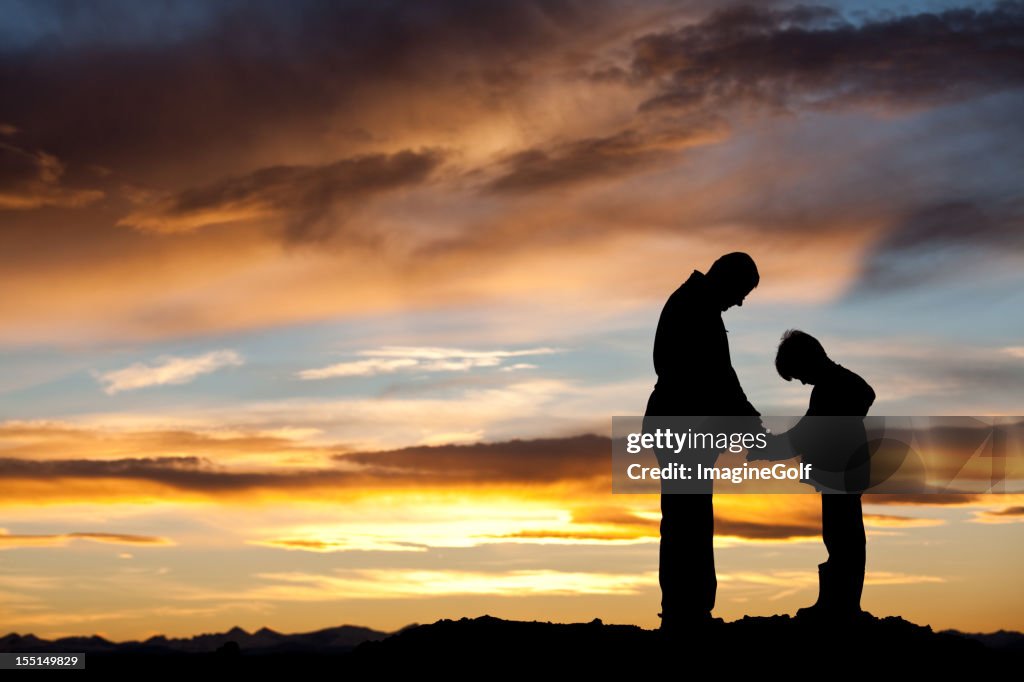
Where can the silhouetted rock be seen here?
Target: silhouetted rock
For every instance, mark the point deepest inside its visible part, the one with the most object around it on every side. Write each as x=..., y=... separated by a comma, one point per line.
x=229, y=649
x=776, y=644
x=752, y=645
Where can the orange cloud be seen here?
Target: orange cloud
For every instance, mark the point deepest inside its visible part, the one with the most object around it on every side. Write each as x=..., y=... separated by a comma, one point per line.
x=13, y=540
x=416, y=583
x=309, y=196
x=895, y=521
x=32, y=179
x=1013, y=514
x=540, y=169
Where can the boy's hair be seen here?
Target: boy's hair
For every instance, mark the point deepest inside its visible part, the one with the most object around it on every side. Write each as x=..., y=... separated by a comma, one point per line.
x=797, y=350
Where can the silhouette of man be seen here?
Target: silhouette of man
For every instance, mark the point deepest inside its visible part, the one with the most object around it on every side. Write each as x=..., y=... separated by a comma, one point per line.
x=837, y=448
x=696, y=377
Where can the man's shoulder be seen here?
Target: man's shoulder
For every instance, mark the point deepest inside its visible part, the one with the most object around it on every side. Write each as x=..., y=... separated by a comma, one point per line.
x=693, y=291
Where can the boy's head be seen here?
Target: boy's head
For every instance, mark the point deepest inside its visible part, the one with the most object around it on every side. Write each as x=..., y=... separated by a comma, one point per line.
x=800, y=356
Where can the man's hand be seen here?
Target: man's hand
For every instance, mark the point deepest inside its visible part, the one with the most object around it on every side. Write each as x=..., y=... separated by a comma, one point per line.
x=777, y=447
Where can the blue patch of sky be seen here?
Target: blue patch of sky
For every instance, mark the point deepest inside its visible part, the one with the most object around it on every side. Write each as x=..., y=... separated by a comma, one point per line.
x=28, y=24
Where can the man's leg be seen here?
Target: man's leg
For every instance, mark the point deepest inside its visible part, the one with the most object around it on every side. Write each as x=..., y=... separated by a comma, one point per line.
x=687, y=559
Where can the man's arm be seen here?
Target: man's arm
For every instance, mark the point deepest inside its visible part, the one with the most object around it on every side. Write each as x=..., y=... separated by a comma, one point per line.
x=733, y=400
x=737, y=397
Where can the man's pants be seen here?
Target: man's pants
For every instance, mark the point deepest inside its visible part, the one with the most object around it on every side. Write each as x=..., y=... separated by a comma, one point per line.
x=687, y=561
x=842, y=529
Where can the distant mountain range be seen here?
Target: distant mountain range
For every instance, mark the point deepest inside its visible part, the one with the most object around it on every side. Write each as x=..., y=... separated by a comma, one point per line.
x=1002, y=639
x=488, y=645
x=264, y=641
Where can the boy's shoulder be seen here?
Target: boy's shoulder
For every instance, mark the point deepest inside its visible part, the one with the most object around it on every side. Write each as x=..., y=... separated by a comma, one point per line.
x=844, y=375
x=843, y=392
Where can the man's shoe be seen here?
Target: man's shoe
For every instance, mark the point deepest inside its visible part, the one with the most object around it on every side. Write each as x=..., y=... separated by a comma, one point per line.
x=689, y=623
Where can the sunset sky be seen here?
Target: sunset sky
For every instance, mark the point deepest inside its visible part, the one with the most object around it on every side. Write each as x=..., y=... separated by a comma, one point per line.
x=318, y=313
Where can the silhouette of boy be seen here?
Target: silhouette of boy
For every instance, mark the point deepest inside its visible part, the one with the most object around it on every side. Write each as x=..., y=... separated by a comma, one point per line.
x=838, y=451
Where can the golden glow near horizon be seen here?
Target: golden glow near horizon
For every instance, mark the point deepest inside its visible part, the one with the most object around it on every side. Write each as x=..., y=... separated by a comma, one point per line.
x=508, y=534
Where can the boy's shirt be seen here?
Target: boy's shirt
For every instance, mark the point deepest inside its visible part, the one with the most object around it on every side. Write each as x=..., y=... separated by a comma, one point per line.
x=834, y=440
x=840, y=393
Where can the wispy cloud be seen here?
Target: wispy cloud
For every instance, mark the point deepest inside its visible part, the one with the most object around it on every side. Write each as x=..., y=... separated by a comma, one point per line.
x=896, y=521
x=518, y=366
x=12, y=540
x=425, y=359
x=359, y=368
x=496, y=411
x=820, y=60
x=33, y=179
x=340, y=545
x=313, y=196
x=777, y=585
x=167, y=370
x=1005, y=515
x=412, y=583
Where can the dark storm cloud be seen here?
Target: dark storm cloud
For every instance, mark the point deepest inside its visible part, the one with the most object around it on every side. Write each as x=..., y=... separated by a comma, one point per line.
x=814, y=57
x=930, y=243
x=249, y=71
x=182, y=473
x=256, y=111
x=577, y=459
x=575, y=161
x=769, y=61
x=32, y=179
x=760, y=60
x=583, y=460
x=306, y=194
x=538, y=460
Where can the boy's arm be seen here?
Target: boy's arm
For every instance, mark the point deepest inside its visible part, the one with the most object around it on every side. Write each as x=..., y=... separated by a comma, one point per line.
x=786, y=445
x=778, y=447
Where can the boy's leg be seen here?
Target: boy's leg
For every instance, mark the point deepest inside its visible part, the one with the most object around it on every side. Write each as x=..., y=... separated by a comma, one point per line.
x=842, y=527
x=826, y=586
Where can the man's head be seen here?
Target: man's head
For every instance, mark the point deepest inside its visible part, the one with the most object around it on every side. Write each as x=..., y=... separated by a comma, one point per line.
x=800, y=356
x=732, y=277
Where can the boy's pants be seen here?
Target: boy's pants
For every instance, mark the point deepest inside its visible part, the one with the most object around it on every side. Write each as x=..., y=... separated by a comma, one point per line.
x=842, y=529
